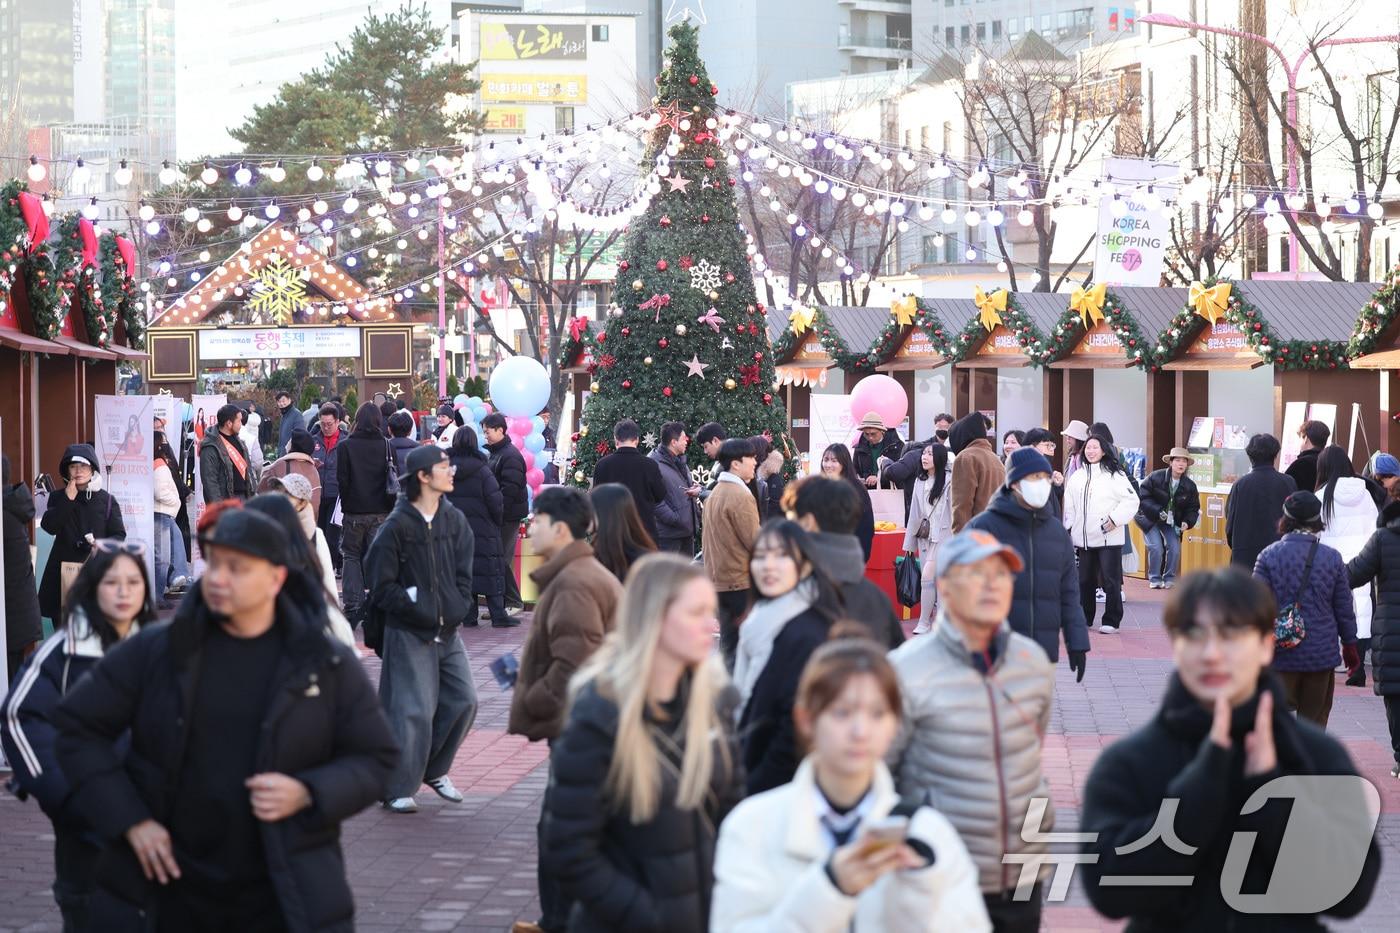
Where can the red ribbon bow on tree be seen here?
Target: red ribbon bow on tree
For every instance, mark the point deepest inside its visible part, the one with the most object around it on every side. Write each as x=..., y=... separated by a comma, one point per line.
x=748, y=375
x=712, y=318
x=577, y=327
x=655, y=301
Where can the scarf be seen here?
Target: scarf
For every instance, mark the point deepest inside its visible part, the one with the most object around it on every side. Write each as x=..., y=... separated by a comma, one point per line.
x=239, y=462
x=760, y=629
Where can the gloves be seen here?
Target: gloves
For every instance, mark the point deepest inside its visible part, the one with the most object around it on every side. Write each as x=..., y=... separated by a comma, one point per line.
x=1350, y=657
x=1078, y=659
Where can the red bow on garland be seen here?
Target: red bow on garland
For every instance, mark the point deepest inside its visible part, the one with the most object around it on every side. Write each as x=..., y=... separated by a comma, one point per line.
x=127, y=251
x=577, y=327
x=88, y=234
x=32, y=209
x=748, y=375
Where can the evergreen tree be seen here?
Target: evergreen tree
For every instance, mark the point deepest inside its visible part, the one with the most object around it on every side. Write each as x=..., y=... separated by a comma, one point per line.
x=690, y=344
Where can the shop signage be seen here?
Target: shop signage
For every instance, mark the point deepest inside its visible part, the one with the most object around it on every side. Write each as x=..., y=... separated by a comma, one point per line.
x=801, y=422
x=1221, y=340
x=510, y=42
x=534, y=89
x=811, y=351
x=918, y=346
x=505, y=120
x=1000, y=342
x=1131, y=247
x=279, y=343
x=1100, y=340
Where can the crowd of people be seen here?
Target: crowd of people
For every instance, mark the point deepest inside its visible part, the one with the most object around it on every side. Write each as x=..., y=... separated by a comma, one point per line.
x=740, y=734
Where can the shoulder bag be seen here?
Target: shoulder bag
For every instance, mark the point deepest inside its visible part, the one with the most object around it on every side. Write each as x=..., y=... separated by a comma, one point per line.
x=391, y=480
x=1289, y=627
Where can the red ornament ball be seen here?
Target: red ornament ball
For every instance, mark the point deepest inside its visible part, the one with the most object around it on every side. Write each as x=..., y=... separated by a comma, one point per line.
x=665, y=220
x=753, y=330
x=758, y=355
x=704, y=218
x=662, y=265
x=624, y=265
x=729, y=278
x=666, y=391
x=663, y=343
x=731, y=183
x=603, y=336
x=694, y=80
x=714, y=89
x=767, y=398
x=709, y=161
x=627, y=383
x=626, y=331
x=739, y=329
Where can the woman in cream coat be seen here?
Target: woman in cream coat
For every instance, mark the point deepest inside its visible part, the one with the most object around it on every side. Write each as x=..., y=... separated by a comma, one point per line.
x=1099, y=503
x=808, y=857
x=931, y=502
x=298, y=489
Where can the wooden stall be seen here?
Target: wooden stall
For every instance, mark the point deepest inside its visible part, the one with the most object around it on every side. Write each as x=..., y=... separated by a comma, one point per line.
x=21, y=354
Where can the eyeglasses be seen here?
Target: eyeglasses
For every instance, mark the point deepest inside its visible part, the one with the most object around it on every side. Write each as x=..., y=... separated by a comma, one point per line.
x=1041, y=446
x=451, y=468
x=113, y=546
x=984, y=576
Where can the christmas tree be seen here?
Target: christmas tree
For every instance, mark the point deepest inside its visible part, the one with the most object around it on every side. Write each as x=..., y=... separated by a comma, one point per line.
x=690, y=343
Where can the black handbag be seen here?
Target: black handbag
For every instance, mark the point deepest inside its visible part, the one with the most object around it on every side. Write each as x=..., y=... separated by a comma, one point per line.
x=391, y=482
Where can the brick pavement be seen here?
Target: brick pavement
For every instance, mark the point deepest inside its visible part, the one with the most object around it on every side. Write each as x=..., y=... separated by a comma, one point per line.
x=470, y=867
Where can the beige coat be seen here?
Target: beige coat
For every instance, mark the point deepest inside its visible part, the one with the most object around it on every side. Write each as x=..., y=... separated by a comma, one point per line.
x=727, y=536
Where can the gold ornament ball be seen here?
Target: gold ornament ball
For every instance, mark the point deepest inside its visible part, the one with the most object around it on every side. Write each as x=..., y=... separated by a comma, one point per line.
x=729, y=384
x=695, y=109
x=646, y=362
x=583, y=431
x=593, y=387
x=680, y=330
x=578, y=476
x=714, y=296
x=636, y=285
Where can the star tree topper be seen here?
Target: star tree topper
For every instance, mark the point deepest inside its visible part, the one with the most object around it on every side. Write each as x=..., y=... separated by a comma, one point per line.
x=683, y=10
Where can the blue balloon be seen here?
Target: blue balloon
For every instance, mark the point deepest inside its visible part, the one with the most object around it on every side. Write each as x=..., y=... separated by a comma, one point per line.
x=519, y=386
x=460, y=400
x=537, y=423
x=534, y=443
x=474, y=401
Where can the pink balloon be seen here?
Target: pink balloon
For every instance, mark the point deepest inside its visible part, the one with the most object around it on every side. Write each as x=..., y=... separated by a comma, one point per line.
x=535, y=478
x=487, y=406
x=529, y=459
x=884, y=396
x=520, y=427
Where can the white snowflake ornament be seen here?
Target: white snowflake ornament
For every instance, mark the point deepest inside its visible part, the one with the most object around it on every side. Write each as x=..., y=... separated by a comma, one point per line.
x=705, y=276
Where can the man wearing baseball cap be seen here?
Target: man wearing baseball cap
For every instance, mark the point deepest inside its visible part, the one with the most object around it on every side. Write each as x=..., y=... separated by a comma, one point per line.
x=419, y=574
x=252, y=737
x=976, y=703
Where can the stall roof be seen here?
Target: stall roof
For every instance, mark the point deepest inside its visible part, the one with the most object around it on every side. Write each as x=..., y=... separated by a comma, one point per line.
x=128, y=353
x=857, y=327
x=1310, y=310
x=776, y=319
x=1152, y=308
x=22, y=341
x=79, y=348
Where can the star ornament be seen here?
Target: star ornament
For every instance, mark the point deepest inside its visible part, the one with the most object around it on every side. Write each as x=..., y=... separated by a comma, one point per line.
x=685, y=9
x=649, y=439
x=678, y=183
x=395, y=389
x=671, y=116
x=695, y=368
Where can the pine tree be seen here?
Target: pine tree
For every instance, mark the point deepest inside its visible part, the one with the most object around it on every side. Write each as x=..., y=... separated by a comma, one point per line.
x=690, y=344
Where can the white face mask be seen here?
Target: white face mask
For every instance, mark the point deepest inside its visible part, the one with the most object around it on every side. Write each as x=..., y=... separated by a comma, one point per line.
x=1036, y=492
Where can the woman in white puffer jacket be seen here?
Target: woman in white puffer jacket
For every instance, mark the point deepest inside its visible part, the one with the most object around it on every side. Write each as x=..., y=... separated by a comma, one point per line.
x=1099, y=503
x=1348, y=520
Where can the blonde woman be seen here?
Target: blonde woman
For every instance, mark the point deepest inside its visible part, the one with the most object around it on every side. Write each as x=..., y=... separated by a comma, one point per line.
x=646, y=738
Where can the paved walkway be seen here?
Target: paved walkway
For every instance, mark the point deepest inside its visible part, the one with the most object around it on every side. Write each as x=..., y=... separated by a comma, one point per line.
x=470, y=867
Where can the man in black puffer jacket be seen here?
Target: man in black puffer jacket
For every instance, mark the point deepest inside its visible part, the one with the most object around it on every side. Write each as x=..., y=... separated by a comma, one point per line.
x=253, y=737
x=1379, y=560
x=1197, y=794
x=420, y=584
x=1045, y=602
x=509, y=467
x=77, y=515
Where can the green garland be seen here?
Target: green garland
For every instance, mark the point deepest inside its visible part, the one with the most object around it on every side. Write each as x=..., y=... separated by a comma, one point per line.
x=1376, y=316
x=13, y=234
x=1286, y=355
x=1070, y=329
x=49, y=285
x=1041, y=349
x=119, y=291
x=97, y=318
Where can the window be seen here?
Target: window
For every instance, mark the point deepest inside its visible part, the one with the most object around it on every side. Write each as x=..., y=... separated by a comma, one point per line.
x=965, y=34
x=996, y=29
x=933, y=248
x=600, y=33
x=981, y=32
x=947, y=2
x=563, y=119
x=1044, y=23
x=924, y=137
x=950, y=36
x=1011, y=25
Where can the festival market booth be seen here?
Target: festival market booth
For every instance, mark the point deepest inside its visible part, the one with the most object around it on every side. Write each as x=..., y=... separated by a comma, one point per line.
x=1375, y=347
x=801, y=363
x=21, y=355
x=1260, y=356
x=277, y=298
x=1001, y=356
x=917, y=358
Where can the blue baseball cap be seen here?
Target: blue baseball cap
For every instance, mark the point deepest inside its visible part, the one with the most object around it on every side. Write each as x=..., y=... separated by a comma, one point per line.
x=971, y=545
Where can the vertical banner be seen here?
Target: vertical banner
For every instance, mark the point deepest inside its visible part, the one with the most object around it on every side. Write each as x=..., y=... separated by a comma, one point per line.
x=831, y=424
x=124, y=425
x=1134, y=231
x=206, y=417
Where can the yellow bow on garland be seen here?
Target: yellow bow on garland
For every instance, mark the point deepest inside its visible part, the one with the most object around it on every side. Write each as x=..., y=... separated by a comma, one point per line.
x=991, y=307
x=801, y=319
x=1209, y=301
x=904, y=309
x=1088, y=303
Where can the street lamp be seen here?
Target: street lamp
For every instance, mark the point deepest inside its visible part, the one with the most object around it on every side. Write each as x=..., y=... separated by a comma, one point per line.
x=1291, y=69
